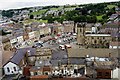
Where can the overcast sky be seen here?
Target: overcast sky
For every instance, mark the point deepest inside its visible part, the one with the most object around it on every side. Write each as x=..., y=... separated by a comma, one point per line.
x=14, y=4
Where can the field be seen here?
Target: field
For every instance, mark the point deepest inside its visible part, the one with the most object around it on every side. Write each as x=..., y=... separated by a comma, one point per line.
x=39, y=12
x=111, y=6
x=99, y=17
x=32, y=20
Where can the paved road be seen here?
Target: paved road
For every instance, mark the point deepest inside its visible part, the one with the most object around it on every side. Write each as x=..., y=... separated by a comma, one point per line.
x=52, y=45
x=48, y=44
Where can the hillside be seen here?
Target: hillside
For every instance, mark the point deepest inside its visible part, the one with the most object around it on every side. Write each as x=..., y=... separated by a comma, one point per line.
x=91, y=13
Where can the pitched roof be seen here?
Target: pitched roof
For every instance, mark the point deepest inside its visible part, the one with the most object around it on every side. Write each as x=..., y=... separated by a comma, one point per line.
x=116, y=43
x=103, y=64
x=77, y=52
x=5, y=39
x=115, y=34
x=113, y=25
x=76, y=61
x=5, y=57
x=20, y=53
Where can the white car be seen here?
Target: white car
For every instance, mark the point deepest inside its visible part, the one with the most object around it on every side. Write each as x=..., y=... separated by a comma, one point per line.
x=40, y=42
x=74, y=34
x=64, y=39
x=59, y=41
x=67, y=45
x=62, y=47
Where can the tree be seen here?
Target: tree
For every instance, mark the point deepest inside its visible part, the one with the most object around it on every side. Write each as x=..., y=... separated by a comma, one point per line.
x=2, y=32
x=31, y=17
x=8, y=13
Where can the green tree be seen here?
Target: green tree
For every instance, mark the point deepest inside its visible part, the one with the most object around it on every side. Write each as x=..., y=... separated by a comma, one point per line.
x=8, y=13
x=31, y=16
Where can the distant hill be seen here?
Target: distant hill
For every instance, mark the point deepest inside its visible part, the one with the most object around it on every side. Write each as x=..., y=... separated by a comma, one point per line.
x=78, y=13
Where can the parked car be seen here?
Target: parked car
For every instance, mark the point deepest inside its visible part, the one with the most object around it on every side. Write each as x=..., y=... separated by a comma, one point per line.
x=74, y=34
x=38, y=45
x=62, y=47
x=38, y=41
x=67, y=45
x=64, y=39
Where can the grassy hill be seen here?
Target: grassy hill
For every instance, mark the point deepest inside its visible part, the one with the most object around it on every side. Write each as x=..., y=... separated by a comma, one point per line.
x=39, y=12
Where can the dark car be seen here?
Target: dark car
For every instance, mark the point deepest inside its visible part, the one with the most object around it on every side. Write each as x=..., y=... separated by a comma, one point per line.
x=38, y=45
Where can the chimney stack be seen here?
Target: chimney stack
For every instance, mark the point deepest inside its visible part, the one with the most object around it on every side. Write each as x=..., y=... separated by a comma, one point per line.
x=109, y=55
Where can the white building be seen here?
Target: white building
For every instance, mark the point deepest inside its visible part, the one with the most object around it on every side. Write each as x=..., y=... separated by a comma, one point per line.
x=31, y=35
x=11, y=68
x=116, y=73
x=20, y=39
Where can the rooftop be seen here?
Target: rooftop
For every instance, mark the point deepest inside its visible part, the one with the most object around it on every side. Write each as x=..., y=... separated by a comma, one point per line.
x=105, y=35
x=39, y=76
x=103, y=64
x=78, y=52
x=20, y=53
x=6, y=55
x=116, y=43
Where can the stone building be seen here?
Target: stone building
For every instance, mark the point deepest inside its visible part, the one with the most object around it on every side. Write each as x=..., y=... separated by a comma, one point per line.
x=6, y=43
x=92, y=39
x=41, y=57
x=68, y=26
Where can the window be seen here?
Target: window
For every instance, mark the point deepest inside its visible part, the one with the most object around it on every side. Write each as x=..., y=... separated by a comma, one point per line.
x=47, y=57
x=8, y=69
x=14, y=68
x=88, y=38
x=95, y=41
x=92, y=37
x=46, y=73
x=107, y=74
x=103, y=37
x=35, y=73
x=99, y=74
x=80, y=30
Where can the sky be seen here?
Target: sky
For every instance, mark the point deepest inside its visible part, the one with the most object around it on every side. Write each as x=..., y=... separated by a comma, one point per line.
x=16, y=4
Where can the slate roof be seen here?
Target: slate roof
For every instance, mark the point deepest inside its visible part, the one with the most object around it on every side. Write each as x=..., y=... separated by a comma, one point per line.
x=20, y=53
x=6, y=55
x=103, y=64
x=115, y=34
x=76, y=61
x=111, y=25
x=77, y=52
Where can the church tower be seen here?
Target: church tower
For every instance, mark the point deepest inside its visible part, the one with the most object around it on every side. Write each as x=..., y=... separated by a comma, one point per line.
x=81, y=34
